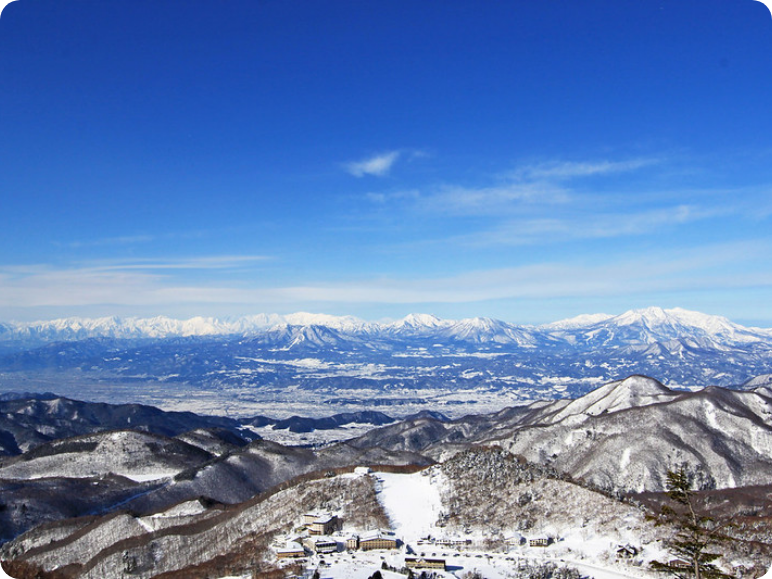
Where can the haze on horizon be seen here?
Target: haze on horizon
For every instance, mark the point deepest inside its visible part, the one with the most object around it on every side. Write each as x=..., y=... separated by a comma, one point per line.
x=523, y=161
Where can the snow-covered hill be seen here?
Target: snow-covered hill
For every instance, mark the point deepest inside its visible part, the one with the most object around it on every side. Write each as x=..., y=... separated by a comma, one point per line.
x=476, y=511
x=724, y=437
x=623, y=435
x=125, y=544
x=500, y=477
x=27, y=421
x=135, y=455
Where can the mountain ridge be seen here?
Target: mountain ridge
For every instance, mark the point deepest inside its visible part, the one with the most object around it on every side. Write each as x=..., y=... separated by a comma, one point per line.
x=657, y=324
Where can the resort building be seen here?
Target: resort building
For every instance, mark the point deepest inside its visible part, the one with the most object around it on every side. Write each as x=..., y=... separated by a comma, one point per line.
x=424, y=563
x=377, y=540
x=291, y=550
x=320, y=524
x=318, y=544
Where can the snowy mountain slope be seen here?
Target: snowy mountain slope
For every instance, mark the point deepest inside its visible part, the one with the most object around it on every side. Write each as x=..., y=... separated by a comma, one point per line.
x=484, y=495
x=651, y=325
x=631, y=392
x=487, y=330
x=343, y=323
x=414, y=435
x=415, y=325
x=499, y=495
x=231, y=478
x=31, y=503
x=68, y=329
x=624, y=435
x=215, y=441
x=765, y=380
x=580, y=321
x=28, y=422
x=229, y=536
x=239, y=475
x=303, y=424
x=725, y=435
x=146, y=472
x=132, y=454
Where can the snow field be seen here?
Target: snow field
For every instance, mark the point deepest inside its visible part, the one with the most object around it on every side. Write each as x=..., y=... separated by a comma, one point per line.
x=412, y=503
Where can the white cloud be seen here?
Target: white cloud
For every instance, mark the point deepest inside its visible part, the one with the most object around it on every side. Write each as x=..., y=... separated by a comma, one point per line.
x=559, y=170
x=709, y=268
x=378, y=165
x=693, y=269
x=536, y=204
x=493, y=200
x=214, y=262
x=121, y=240
x=528, y=187
x=381, y=198
x=579, y=224
x=137, y=282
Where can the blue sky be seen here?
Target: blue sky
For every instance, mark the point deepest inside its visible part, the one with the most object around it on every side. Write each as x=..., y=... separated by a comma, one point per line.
x=522, y=160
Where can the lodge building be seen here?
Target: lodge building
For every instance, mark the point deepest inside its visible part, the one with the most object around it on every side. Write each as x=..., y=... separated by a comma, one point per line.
x=320, y=524
x=424, y=563
x=376, y=540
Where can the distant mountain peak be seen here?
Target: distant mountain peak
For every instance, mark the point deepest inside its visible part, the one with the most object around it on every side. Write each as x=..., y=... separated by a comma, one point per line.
x=578, y=321
x=421, y=320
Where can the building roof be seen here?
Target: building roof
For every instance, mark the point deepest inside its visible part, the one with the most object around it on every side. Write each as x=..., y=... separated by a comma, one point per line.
x=374, y=536
x=291, y=547
x=321, y=518
x=321, y=539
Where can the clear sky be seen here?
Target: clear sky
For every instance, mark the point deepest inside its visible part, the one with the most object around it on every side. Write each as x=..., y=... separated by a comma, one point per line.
x=522, y=160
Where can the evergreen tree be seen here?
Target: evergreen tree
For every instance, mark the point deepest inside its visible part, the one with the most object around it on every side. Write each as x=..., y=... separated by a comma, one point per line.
x=690, y=546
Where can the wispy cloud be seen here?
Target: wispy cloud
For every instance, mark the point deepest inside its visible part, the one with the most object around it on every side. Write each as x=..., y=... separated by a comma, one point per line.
x=108, y=241
x=529, y=187
x=493, y=200
x=554, y=202
x=121, y=282
x=671, y=270
x=377, y=165
x=213, y=262
x=135, y=239
x=560, y=170
x=381, y=198
x=691, y=269
x=588, y=225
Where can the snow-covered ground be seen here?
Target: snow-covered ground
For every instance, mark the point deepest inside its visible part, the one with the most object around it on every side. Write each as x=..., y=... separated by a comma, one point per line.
x=361, y=565
x=413, y=505
x=151, y=476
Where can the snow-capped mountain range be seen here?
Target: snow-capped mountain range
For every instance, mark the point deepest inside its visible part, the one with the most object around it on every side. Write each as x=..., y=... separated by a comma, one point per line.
x=316, y=364
x=644, y=326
